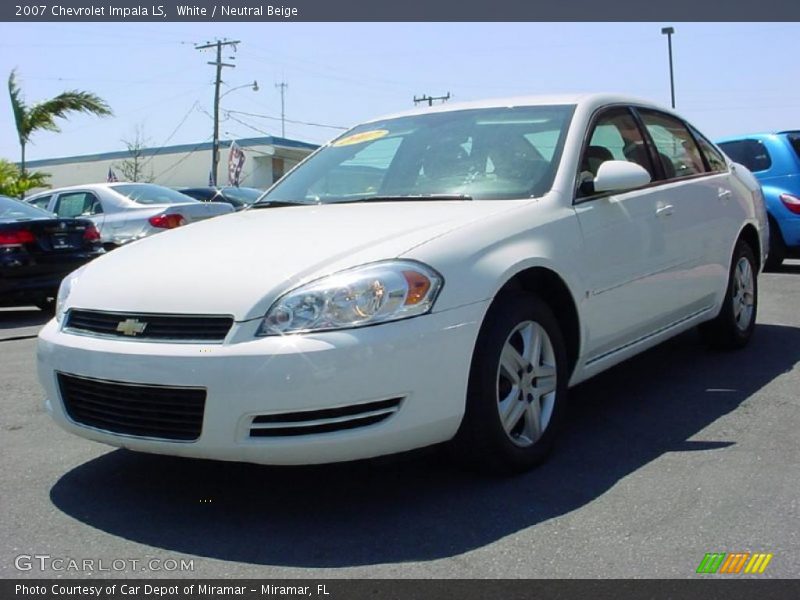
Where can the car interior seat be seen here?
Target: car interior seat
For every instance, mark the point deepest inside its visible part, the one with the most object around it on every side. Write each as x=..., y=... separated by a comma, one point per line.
x=594, y=157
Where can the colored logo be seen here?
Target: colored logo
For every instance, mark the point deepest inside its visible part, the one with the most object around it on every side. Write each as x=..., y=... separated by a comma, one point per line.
x=734, y=563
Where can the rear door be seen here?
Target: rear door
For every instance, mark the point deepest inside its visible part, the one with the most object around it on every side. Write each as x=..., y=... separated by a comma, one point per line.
x=81, y=203
x=698, y=213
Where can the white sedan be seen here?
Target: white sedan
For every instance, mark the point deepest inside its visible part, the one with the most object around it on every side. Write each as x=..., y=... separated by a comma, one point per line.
x=125, y=211
x=443, y=275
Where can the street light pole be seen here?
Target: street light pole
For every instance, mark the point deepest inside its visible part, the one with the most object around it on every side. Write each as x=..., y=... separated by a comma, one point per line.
x=668, y=31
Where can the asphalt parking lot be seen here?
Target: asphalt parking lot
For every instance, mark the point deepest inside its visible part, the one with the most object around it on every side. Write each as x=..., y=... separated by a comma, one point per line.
x=674, y=454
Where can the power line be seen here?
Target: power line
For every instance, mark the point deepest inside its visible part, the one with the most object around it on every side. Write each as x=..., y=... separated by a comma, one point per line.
x=176, y=163
x=169, y=137
x=240, y=112
x=253, y=127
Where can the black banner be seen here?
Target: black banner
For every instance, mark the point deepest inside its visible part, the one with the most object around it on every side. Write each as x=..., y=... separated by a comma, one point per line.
x=409, y=10
x=331, y=589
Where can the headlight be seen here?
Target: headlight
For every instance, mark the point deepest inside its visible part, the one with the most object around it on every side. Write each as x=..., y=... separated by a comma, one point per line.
x=64, y=290
x=367, y=295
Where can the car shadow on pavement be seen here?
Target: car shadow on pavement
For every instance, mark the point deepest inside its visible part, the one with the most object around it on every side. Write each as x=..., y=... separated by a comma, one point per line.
x=13, y=318
x=420, y=506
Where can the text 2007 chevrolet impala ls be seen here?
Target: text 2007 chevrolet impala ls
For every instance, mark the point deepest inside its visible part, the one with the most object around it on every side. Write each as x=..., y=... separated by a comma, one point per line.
x=443, y=275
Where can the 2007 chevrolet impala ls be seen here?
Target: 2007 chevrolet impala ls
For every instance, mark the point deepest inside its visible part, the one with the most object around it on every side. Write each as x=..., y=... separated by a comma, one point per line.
x=443, y=275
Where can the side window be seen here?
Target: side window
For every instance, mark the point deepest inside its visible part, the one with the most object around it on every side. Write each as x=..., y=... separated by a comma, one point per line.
x=615, y=136
x=76, y=204
x=714, y=159
x=41, y=201
x=750, y=153
x=679, y=154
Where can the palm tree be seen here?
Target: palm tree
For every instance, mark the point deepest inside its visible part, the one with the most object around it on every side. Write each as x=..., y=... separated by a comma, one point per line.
x=42, y=115
x=13, y=183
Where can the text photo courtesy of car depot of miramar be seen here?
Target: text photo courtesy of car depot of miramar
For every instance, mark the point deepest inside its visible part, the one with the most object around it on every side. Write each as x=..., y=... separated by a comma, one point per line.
x=391, y=308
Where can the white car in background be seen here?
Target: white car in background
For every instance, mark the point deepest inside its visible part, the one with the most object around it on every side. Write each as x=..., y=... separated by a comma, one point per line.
x=124, y=212
x=443, y=275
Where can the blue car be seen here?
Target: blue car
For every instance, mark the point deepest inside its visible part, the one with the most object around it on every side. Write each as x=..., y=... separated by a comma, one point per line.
x=774, y=158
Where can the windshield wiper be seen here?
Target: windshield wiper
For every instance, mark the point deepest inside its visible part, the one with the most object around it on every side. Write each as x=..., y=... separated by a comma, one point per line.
x=405, y=198
x=280, y=204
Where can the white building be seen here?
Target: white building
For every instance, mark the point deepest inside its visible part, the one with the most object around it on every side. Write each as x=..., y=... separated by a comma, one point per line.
x=266, y=160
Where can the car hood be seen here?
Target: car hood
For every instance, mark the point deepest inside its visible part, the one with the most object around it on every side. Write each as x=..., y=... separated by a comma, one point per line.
x=240, y=263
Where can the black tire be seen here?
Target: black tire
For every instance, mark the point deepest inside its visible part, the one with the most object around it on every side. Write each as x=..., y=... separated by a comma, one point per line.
x=729, y=330
x=482, y=440
x=777, y=248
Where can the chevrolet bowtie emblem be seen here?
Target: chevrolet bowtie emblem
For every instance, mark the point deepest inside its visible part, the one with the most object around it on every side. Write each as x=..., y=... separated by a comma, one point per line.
x=131, y=327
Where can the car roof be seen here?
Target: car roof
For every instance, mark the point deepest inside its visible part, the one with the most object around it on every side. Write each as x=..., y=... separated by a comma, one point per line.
x=589, y=101
x=90, y=186
x=755, y=136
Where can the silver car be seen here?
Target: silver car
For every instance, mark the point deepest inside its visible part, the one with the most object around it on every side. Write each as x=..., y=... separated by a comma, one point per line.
x=124, y=212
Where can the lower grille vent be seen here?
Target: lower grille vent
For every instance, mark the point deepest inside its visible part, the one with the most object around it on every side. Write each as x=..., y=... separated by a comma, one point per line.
x=326, y=420
x=163, y=412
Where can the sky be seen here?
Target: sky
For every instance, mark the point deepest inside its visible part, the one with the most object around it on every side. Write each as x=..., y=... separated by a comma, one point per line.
x=730, y=78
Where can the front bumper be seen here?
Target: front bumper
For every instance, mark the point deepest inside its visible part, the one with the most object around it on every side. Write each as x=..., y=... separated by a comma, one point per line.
x=423, y=360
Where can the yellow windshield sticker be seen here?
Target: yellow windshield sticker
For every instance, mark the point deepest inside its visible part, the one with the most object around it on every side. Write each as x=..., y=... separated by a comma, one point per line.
x=358, y=138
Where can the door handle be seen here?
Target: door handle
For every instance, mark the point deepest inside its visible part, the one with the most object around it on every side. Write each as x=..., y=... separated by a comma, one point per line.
x=724, y=194
x=665, y=211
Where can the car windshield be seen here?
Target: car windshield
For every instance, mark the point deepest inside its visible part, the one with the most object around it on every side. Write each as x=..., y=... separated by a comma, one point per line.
x=487, y=154
x=148, y=193
x=13, y=210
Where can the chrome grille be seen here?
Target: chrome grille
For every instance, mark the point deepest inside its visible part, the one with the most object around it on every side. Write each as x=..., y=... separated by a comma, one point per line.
x=326, y=420
x=170, y=413
x=148, y=327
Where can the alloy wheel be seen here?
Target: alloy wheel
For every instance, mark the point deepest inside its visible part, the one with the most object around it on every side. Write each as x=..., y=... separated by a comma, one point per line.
x=743, y=294
x=526, y=383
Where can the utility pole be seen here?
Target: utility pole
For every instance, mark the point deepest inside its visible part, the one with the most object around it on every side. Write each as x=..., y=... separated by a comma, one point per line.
x=218, y=64
x=668, y=31
x=283, y=85
x=430, y=99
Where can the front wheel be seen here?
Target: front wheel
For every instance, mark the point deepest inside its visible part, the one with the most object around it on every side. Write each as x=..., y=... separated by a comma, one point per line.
x=734, y=325
x=517, y=387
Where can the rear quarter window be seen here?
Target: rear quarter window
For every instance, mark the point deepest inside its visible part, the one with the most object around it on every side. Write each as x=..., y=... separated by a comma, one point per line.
x=148, y=193
x=41, y=202
x=714, y=159
x=753, y=154
x=794, y=141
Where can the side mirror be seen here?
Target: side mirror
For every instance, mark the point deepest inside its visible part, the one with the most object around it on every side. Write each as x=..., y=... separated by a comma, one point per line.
x=619, y=175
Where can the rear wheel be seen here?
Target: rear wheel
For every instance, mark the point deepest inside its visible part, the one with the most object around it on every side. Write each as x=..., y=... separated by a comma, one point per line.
x=734, y=325
x=517, y=388
x=777, y=247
